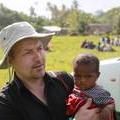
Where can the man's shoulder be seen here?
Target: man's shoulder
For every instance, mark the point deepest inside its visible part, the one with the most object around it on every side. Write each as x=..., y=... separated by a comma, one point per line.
x=59, y=73
x=8, y=106
x=4, y=96
x=4, y=91
x=65, y=78
x=8, y=92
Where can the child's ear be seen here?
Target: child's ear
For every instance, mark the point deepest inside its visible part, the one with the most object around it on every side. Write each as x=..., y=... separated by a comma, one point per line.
x=98, y=74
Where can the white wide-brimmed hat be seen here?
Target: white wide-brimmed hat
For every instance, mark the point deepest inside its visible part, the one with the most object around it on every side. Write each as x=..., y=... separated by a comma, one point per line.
x=16, y=32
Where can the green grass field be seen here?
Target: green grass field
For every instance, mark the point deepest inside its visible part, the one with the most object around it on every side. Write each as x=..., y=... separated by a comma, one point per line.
x=63, y=50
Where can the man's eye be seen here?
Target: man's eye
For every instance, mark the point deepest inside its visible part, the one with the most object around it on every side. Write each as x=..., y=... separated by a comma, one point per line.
x=40, y=48
x=27, y=53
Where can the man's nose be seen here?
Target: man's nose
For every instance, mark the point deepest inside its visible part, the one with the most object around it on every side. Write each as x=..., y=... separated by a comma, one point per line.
x=37, y=55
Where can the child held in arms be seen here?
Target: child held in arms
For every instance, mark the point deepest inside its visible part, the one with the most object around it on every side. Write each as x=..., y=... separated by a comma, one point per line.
x=86, y=73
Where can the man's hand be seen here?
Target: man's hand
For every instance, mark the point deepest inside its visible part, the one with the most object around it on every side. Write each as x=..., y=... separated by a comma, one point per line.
x=88, y=114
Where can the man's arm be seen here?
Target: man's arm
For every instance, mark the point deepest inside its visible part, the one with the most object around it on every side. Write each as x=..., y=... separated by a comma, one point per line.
x=108, y=112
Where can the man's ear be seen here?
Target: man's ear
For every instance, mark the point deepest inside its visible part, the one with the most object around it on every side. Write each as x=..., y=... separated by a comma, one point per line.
x=9, y=59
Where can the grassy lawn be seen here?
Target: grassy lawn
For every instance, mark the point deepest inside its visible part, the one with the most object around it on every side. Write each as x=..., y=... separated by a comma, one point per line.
x=63, y=50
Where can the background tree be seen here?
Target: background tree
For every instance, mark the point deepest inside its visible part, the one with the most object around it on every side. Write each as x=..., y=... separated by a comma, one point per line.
x=85, y=19
x=116, y=26
x=73, y=17
x=32, y=11
x=7, y=16
x=58, y=16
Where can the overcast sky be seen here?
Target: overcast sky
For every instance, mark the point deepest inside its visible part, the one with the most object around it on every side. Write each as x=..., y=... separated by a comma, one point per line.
x=89, y=6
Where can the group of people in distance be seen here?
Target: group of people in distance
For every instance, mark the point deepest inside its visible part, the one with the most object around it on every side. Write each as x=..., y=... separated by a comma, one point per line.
x=105, y=44
x=87, y=44
x=115, y=41
x=35, y=94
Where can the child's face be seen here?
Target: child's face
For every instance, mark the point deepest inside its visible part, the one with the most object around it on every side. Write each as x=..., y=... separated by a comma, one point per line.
x=85, y=76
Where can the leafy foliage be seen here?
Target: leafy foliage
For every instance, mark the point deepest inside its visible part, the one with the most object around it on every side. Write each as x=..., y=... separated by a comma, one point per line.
x=72, y=18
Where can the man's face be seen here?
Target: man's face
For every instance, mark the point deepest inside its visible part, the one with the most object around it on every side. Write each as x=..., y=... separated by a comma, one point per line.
x=85, y=76
x=28, y=59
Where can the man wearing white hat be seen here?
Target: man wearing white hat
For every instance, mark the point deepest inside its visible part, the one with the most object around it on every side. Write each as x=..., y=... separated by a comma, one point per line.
x=33, y=94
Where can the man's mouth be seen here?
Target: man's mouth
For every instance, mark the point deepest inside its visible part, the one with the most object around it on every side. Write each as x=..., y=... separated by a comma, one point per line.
x=38, y=66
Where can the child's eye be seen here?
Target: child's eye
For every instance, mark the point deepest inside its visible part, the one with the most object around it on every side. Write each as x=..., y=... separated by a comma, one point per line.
x=76, y=76
x=88, y=76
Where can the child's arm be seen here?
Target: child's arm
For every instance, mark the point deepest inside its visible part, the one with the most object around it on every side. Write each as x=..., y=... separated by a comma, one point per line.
x=76, y=100
x=88, y=114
